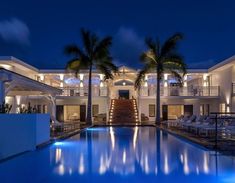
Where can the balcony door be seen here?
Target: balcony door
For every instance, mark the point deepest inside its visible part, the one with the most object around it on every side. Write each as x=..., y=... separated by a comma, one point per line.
x=82, y=113
x=124, y=94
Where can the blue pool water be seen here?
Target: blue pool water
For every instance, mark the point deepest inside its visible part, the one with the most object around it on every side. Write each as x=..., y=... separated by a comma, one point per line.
x=120, y=154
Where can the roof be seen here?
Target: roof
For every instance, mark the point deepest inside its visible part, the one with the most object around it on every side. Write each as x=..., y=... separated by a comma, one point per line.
x=12, y=61
x=30, y=84
x=224, y=64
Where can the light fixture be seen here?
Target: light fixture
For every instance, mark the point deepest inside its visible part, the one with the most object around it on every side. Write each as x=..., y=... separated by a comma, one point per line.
x=61, y=77
x=124, y=83
x=81, y=84
x=81, y=76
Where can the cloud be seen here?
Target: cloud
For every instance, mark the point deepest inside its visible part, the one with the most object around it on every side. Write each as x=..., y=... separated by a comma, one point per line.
x=14, y=31
x=127, y=46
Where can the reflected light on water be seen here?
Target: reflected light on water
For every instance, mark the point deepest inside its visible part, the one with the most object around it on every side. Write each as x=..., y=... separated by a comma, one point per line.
x=124, y=157
x=59, y=143
x=205, y=163
x=182, y=158
x=112, y=137
x=57, y=155
x=81, y=168
x=186, y=167
x=135, y=137
x=61, y=169
x=166, y=166
x=104, y=165
x=146, y=165
x=197, y=170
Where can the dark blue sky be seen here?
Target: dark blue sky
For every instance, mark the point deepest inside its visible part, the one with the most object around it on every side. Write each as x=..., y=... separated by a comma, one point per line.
x=37, y=31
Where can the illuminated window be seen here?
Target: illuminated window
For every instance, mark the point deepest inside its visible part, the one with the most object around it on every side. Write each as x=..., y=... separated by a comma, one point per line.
x=204, y=109
x=222, y=107
x=151, y=110
x=175, y=111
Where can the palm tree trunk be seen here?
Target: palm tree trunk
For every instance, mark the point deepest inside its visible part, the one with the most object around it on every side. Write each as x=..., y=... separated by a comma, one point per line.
x=158, y=115
x=89, y=117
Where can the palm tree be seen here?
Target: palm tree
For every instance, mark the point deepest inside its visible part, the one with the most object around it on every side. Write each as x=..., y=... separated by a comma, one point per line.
x=94, y=54
x=162, y=58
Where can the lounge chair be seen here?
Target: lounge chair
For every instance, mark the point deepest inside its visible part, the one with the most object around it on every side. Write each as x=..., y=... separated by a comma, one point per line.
x=198, y=122
x=181, y=120
x=189, y=122
x=210, y=128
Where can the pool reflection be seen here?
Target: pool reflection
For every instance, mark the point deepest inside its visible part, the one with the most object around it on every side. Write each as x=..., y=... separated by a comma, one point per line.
x=137, y=152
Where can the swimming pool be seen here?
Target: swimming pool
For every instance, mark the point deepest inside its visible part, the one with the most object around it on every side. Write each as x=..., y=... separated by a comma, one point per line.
x=120, y=154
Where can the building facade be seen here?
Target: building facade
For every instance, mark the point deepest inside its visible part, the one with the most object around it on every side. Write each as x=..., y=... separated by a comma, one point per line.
x=64, y=95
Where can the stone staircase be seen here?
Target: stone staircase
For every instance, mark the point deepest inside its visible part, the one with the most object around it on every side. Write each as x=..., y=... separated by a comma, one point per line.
x=123, y=111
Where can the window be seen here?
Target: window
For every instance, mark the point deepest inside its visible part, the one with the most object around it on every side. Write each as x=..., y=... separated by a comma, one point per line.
x=222, y=107
x=39, y=109
x=201, y=109
x=95, y=110
x=175, y=111
x=151, y=110
x=44, y=109
x=204, y=109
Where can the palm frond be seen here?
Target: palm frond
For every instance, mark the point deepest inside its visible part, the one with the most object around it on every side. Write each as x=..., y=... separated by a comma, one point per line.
x=86, y=39
x=141, y=75
x=151, y=44
x=74, y=66
x=106, y=71
x=102, y=48
x=177, y=76
x=108, y=63
x=148, y=58
x=175, y=62
x=171, y=44
x=73, y=50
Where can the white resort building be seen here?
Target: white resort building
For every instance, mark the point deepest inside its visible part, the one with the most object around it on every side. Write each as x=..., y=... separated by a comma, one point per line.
x=64, y=96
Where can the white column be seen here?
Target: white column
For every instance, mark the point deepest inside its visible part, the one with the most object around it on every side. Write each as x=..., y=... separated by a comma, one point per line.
x=2, y=92
x=53, y=108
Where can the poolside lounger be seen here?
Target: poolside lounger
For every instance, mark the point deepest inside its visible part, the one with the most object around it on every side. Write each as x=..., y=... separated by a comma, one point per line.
x=210, y=130
x=189, y=122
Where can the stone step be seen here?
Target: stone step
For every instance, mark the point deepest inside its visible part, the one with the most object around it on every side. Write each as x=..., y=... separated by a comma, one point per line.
x=123, y=111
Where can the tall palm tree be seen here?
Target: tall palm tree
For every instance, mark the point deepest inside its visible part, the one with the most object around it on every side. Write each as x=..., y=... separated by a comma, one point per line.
x=94, y=54
x=162, y=58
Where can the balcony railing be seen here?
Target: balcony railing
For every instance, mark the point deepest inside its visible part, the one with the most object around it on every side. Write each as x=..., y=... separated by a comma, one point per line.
x=82, y=91
x=182, y=91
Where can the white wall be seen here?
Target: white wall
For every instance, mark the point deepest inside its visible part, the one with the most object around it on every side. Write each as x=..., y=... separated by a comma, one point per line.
x=224, y=78
x=22, y=132
x=144, y=104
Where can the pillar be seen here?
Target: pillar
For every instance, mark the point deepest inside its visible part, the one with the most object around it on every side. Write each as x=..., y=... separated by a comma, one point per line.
x=2, y=92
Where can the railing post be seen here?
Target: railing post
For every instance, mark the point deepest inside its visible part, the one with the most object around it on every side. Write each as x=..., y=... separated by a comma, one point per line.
x=216, y=132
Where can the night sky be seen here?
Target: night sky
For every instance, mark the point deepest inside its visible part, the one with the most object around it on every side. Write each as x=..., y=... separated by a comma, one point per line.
x=37, y=31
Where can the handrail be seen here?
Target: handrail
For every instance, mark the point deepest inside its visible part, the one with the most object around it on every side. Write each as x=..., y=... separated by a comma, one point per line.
x=181, y=91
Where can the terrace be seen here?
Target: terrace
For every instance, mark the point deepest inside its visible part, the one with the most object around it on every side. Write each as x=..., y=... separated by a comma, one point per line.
x=173, y=91
x=83, y=91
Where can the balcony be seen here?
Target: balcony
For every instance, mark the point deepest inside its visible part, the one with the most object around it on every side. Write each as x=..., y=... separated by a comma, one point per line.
x=196, y=91
x=83, y=91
